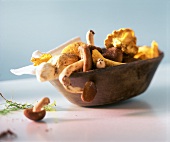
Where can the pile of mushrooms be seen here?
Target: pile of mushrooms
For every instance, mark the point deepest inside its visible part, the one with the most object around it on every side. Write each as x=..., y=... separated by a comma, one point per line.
x=75, y=55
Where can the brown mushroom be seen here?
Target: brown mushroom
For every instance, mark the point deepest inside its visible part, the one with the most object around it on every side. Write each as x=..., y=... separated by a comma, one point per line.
x=37, y=112
x=113, y=53
x=86, y=56
x=89, y=91
x=85, y=53
x=65, y=74
x=85, y=63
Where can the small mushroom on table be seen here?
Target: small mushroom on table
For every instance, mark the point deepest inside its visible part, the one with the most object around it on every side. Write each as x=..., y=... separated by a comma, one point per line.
x=37, y=112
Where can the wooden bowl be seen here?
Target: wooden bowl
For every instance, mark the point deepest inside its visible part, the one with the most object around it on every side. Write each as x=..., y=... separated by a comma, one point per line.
x=114, y=84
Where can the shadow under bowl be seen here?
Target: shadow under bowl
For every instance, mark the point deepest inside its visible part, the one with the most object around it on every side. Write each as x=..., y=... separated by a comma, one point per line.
x=114, y=84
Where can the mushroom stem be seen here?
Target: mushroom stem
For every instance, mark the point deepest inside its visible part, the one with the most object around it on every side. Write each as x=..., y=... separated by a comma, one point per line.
x=64, y=76
x=39, y=106
x=86, y=56
x=90, y=37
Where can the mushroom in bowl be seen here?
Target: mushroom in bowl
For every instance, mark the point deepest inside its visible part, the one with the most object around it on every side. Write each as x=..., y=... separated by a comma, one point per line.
x=88, y=75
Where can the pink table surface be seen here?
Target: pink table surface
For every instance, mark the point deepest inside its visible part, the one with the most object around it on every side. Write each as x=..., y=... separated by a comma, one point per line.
x=145, y=118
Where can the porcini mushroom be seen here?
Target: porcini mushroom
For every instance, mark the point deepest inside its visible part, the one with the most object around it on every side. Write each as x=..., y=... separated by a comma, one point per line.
x=37, y=112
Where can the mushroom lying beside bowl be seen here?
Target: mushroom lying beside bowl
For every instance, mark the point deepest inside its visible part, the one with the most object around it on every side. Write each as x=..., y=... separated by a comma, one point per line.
x=37, y=112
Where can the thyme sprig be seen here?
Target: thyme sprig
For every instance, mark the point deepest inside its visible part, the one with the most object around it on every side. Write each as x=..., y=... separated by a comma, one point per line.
x=14, y=106
x=50, y=107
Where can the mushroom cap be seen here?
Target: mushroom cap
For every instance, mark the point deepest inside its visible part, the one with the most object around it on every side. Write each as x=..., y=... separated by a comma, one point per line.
x=123, y=38
x=100, y=63
x=113, y=53
x=148, y=52
x=36, y=116
x=73, y=48
x=89, y=91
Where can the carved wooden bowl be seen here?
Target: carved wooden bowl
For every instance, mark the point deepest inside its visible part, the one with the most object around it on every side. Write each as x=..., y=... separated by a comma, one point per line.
x=114, y=84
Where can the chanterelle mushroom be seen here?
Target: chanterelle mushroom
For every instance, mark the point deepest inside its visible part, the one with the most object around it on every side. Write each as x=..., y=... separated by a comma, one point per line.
x=124, y=39
x=96, y=55
x=146, y=52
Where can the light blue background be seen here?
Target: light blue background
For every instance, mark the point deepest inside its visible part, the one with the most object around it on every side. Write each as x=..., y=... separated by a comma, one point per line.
x=28, y=25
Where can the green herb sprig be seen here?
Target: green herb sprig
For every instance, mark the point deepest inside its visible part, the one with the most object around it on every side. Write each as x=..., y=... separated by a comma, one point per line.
x=50, y=107
x=14, y=106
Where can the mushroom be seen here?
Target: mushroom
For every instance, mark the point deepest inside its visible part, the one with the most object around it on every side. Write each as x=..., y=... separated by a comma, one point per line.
x=90, y=41
x=89, y=91
x=90, y=37
x=65, y=74
x=50, y=70
x=113, y=53
x=37, y=112
x=100, y=63
x=85, y=62
x=124, y=39
x=86, y=56
x=96, y=55
x=148, y=52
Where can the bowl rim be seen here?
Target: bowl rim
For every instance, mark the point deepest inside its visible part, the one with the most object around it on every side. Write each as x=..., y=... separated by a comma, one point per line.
x=78, y=74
